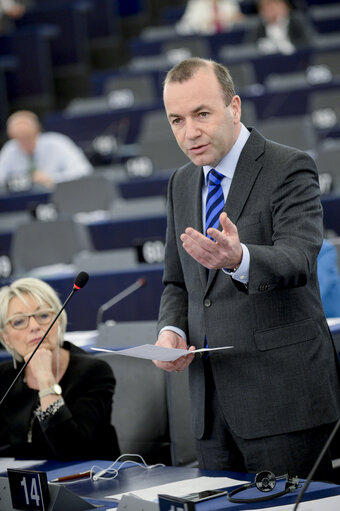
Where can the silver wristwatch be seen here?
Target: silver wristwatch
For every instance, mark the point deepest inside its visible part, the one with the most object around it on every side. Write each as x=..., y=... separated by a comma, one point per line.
x=54, y=389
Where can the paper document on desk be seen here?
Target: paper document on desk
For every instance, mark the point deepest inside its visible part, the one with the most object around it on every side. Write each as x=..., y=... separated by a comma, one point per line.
x=325, y=504
x=181, y=488
x=152, y=352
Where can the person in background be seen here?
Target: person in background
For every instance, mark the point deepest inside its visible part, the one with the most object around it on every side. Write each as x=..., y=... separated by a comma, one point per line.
x=60, y=408
x=10, y=10
x=329, y=279
x=244, y=228
x=280, y=28
x=209, y=16
x=46, y=158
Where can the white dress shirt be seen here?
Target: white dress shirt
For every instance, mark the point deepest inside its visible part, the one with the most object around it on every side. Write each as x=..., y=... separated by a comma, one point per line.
x=55, y=154
x=227, y=167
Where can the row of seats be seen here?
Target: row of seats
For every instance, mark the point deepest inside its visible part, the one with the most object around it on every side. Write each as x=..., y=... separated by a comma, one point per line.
x=139, y=136
x=50, y=51
x=66, y=33
x=85, y=231
x=149, y=146
x=156, y=424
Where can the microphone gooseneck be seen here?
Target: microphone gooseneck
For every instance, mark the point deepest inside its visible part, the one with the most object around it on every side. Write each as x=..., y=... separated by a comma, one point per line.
x=79, y=282
x=316, y=464
x=114, y=300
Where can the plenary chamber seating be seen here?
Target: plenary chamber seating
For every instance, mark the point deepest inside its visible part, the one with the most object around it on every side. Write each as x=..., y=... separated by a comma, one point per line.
x=39, y=243
x=327, y=160
x=70, y=46
x=85, y=194
x=30, y=83
x=151, y=411
x=296, y=131
x=157, y=144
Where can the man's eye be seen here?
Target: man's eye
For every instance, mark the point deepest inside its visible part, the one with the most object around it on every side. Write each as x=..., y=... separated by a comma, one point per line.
x=176, y=121
x=203, y=114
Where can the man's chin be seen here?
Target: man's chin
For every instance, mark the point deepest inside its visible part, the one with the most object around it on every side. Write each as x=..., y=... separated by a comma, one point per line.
x=200, y=159
x=200, y=162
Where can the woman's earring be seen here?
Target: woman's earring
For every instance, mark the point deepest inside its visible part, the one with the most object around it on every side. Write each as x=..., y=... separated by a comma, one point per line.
x=11, y=350
x=14, y=359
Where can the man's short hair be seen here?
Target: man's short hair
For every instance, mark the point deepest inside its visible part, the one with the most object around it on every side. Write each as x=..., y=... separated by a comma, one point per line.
x=186, y=69
x=23, y=115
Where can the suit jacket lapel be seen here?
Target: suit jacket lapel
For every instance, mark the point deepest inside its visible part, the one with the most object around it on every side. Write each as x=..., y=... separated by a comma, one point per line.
x=245, y=175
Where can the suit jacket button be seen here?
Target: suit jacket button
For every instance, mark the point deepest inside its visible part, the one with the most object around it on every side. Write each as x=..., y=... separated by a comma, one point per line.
x=207, y=302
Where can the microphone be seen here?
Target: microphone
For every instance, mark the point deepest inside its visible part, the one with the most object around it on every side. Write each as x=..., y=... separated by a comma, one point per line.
x=115, y=299
x=79, y=282
x=316, y=464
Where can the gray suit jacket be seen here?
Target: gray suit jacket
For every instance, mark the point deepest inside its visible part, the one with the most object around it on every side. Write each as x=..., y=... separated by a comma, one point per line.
x=281, y=375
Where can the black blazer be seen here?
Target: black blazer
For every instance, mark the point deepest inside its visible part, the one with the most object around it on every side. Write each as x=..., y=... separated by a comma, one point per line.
x=79, y=430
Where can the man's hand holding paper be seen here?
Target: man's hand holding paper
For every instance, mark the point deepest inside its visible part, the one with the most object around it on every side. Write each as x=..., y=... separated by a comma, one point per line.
x=169, y=339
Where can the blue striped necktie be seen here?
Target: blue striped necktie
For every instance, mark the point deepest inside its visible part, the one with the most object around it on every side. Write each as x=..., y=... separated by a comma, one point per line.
x=214, y=207
x=215, y=200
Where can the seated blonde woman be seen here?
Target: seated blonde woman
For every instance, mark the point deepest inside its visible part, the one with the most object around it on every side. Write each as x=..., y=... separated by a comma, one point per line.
x=60, y=408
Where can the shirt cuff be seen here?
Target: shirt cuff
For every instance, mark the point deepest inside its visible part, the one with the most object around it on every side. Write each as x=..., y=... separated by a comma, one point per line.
x=174, y=329
x=242, y=272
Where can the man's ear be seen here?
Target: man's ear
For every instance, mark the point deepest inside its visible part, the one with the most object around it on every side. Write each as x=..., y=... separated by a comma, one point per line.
x=236, y=108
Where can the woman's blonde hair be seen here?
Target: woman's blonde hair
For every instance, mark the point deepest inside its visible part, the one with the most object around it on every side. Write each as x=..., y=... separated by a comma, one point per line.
x=39, y=291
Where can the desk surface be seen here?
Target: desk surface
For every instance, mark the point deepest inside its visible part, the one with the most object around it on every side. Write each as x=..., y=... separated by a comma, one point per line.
x=132, y=478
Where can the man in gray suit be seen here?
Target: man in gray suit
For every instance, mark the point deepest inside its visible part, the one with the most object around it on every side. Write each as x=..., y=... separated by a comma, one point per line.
x=270, y=402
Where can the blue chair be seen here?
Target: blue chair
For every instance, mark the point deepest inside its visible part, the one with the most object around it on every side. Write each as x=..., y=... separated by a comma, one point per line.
x=329, y=278
x=30, y=83
x=70, y=47
x=7, y=64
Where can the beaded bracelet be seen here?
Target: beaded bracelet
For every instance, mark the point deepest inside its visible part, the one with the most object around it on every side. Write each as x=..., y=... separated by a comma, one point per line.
x=42, y=415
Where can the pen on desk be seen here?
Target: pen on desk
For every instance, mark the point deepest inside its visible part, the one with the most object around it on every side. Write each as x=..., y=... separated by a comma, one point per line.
x=71, y=477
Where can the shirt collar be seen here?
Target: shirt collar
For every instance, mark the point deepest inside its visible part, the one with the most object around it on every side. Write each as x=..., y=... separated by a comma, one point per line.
x=228, y=164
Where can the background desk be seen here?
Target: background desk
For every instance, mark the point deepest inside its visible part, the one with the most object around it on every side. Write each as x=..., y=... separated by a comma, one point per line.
x=120, y=233
x=141, y=305
x=133, y=478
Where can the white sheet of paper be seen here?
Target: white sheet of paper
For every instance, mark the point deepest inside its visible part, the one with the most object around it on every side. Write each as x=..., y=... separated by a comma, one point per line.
x=181, y=488
x=326, y=504
x=152, y=352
